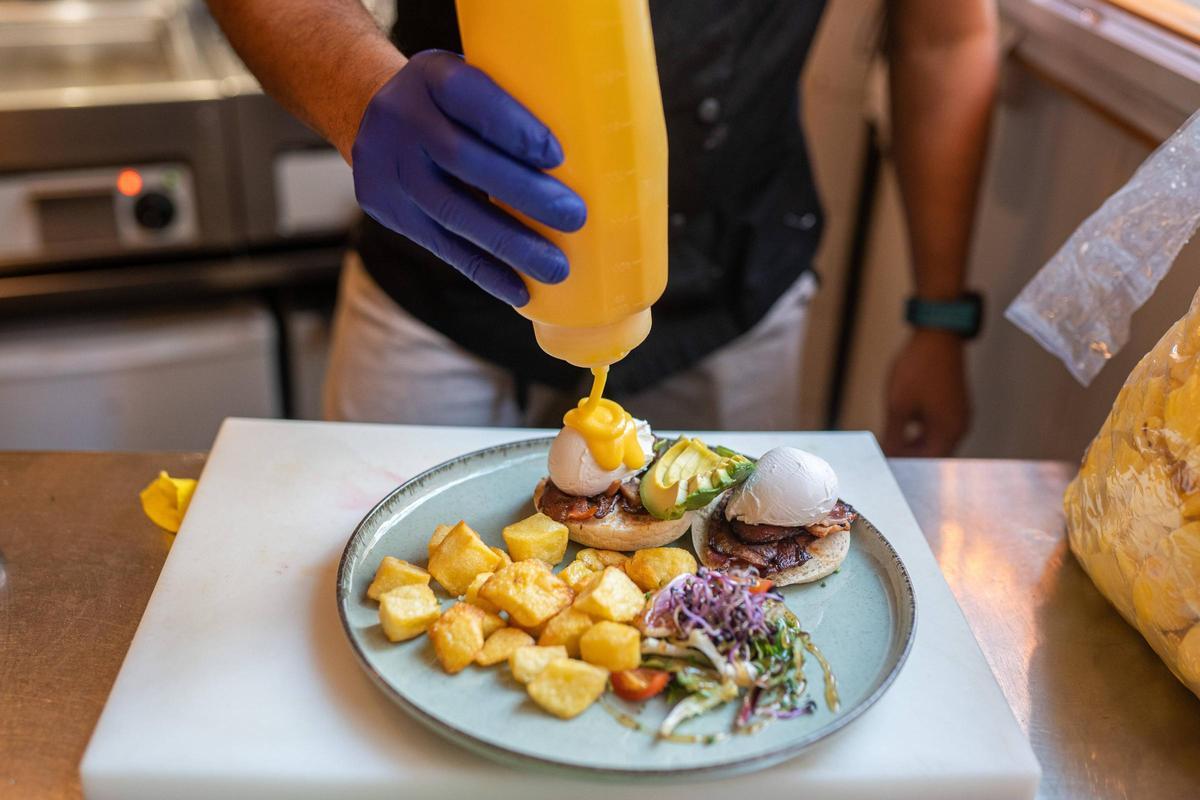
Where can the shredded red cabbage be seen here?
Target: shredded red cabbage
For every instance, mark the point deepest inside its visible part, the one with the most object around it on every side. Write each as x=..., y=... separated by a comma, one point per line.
x=719, y=604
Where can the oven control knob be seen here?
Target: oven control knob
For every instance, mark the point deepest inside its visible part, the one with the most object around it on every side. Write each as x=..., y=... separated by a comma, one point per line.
x=154, y=211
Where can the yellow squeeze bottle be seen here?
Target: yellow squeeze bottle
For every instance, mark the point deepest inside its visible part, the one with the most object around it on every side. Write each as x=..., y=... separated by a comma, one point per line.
x=586, y=69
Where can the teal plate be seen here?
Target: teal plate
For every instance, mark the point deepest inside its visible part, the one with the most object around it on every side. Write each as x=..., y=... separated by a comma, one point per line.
x=862, y=618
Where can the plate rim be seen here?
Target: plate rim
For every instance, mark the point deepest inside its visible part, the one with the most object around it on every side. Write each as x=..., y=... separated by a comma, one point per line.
x=548, y=765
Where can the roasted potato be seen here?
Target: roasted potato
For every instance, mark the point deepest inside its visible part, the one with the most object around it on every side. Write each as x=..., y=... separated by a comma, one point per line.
x=505, y=558
x=655, y=567
x=536, y=537
x=567, y=687
x=528, y=591
x=407, y=611
x=599, y=559
x=393, y=573
x=458, y=636
x=459, y=557
x=565, y=628
x=527, y=662
x=576, y=574
x=533, y=630
x=439, y=533
x=492, y=623
x=611, y=596
x=472, y=595
x=611, y=645
x=500, y=645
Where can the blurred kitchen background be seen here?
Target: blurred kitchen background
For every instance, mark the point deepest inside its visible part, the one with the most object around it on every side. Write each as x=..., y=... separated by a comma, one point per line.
x=170, y=238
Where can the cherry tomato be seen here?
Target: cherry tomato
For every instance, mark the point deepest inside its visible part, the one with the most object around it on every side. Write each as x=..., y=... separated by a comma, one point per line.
x=763, y=585
x=636, y=685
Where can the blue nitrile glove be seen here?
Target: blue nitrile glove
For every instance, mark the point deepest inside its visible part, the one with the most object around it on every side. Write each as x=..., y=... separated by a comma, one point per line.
x=438, y=131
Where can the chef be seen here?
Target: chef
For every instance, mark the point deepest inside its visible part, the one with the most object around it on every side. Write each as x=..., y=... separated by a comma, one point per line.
x=423, y=331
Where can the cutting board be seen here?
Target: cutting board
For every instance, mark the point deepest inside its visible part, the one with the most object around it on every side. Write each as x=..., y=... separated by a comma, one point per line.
x=240, y=683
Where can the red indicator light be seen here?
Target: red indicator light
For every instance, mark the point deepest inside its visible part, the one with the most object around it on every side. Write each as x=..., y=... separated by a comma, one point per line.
x=129, y=182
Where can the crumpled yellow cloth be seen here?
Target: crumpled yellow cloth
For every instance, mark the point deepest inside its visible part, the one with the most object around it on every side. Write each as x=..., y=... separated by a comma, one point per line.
x=166, y=499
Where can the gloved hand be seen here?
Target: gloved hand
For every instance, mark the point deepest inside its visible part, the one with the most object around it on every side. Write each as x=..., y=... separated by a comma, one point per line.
x=435, y=133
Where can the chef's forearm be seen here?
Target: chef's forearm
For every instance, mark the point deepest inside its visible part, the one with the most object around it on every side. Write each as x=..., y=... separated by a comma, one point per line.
x=322, y=59
x=943, y=73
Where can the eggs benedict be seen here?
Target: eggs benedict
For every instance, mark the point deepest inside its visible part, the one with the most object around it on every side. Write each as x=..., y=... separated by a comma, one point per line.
x=595, y=464
x=785, y=520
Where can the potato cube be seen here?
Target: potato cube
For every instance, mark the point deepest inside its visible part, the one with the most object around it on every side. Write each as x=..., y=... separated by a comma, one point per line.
x=492, y=623
x=501, y=644
x=473, y=597
x=565, y=628
x=505, y=558
x=459, y=558
x=439, y=534
x=528, y=591
x=566, y=688
x=576, y=574
x=527, y=662
x=599, y=559
x=612, y=645
x=407, y=611
x=393, y=573
x=612, y=596
x=458, y=636
x=536, y=537
x=533, y=630
x=655, y=567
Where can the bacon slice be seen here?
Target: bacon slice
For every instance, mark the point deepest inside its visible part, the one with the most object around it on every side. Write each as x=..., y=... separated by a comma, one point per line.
x=769, y=548
x=768, y=558
x=726, y=549
x=631, y=496
x=563, y=507
x=839, y=519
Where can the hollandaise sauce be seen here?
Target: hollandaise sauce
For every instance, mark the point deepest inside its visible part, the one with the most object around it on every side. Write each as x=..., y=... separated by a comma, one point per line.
x=608, y=429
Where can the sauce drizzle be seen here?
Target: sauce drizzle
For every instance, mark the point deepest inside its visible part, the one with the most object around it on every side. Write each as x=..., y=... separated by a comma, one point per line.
x=608, y=429
x=633, y=723
x=832, y=699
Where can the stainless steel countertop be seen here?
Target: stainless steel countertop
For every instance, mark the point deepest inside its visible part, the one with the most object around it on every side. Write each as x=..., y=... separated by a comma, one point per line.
x=1106, y=719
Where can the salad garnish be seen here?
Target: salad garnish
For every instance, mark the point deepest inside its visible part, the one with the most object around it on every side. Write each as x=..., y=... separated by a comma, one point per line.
x=721, y=635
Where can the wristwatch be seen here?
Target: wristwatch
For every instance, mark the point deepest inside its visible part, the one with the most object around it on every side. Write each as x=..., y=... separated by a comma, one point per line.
x=963, y=316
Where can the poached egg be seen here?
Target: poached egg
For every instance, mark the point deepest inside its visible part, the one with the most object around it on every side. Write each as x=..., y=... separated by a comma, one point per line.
x=573, y=469
x=789, y=487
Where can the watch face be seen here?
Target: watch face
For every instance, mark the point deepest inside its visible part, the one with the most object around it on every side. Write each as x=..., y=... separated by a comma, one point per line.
x=963, y=316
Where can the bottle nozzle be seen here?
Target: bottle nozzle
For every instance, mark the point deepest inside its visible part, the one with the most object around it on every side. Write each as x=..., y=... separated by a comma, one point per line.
x=597, y=346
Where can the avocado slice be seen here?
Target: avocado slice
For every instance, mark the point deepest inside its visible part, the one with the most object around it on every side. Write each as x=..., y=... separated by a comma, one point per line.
x=688, y=475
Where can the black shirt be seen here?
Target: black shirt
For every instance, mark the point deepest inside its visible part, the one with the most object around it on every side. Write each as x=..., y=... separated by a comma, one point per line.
x=744, y=214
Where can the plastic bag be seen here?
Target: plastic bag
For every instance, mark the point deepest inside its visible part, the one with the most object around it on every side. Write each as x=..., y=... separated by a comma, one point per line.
x=1133, y=512
x=1079, y=304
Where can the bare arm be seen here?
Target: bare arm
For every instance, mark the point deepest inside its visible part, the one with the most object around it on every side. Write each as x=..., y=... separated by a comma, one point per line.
x=943, y=68
x=322, y=59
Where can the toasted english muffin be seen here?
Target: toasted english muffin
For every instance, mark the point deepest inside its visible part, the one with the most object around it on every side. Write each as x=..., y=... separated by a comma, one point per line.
x=620, y=530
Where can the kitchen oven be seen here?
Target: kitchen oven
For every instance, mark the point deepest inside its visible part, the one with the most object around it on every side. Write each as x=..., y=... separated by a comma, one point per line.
x=159, y=218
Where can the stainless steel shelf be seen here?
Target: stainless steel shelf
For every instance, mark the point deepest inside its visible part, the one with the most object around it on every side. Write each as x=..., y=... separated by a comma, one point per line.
x=173, y=281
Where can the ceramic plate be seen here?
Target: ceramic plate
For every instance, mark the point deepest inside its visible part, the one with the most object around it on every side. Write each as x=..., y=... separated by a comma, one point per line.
x=861, y=618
